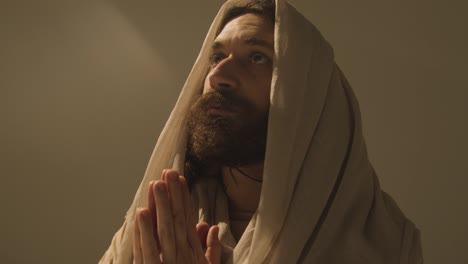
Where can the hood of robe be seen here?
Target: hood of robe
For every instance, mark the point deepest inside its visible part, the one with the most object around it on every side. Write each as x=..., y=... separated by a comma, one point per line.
x=320, y=200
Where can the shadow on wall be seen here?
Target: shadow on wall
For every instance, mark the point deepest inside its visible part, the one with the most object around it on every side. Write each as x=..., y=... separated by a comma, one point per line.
x=169, y=27
x=86, y=87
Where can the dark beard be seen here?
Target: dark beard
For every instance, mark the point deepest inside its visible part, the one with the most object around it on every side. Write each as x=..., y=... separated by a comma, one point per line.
x=224, y=140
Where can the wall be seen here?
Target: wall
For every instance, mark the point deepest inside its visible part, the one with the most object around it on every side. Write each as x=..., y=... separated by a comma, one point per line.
x=85, y=88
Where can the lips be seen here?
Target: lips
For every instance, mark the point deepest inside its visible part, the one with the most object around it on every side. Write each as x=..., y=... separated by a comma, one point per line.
x=220, y=110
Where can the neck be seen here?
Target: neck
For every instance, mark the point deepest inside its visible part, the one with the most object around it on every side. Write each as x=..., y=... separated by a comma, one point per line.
x=243, y=186
x=253, y=172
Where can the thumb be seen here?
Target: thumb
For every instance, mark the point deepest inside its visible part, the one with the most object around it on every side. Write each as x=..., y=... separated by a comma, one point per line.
x=213, y=251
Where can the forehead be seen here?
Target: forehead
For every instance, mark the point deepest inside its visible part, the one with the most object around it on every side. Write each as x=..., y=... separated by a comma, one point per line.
x=247, y=26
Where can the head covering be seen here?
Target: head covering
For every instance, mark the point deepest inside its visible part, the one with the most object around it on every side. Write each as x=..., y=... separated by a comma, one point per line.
x=320, y=200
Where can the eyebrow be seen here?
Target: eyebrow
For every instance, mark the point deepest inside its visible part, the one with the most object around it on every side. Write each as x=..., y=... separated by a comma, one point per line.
x=248, y=41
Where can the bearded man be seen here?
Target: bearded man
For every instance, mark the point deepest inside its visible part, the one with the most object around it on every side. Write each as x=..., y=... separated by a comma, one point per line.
x=268, y=134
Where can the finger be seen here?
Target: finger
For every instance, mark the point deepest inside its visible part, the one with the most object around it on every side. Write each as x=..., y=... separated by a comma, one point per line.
x=213, y=251
x=149, y=247
x=191, y=217
x=202, y=233
x=152, y=209
x=137, y=256
x=190, y=220
x=163, y=177
x=165, y=223
x=178, y=210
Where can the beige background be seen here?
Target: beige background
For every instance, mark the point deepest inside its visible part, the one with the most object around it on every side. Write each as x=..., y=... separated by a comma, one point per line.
x=86, y=86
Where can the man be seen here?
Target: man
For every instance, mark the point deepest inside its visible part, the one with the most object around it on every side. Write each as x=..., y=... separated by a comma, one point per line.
x=273, y=152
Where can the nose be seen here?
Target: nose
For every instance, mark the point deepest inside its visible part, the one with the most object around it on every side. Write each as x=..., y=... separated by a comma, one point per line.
x=224, y=76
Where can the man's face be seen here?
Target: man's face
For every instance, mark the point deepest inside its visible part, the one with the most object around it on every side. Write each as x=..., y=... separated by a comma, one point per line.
x=242, y=60
x=228, y=122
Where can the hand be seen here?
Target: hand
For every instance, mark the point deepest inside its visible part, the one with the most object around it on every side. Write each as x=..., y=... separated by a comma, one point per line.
x=166, y=232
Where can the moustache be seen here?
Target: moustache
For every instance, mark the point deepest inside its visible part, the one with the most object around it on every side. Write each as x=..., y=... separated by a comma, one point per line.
x=225, y=100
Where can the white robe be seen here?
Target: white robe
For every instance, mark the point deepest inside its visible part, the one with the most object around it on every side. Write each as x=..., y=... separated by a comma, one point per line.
x=320, y=200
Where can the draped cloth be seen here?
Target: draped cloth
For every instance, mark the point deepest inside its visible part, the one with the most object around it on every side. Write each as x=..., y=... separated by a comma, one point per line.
x=320, y=200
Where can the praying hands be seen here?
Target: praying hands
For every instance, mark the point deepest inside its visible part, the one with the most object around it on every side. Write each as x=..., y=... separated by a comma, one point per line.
x=166, y=232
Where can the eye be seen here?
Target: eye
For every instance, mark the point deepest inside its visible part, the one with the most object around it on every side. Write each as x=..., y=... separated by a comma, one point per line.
x=259, y=58
x=217, y=58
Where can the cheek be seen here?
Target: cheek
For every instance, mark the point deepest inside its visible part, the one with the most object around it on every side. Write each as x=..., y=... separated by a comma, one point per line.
x=258, y=91
x=264, y=93
x=205, y=85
